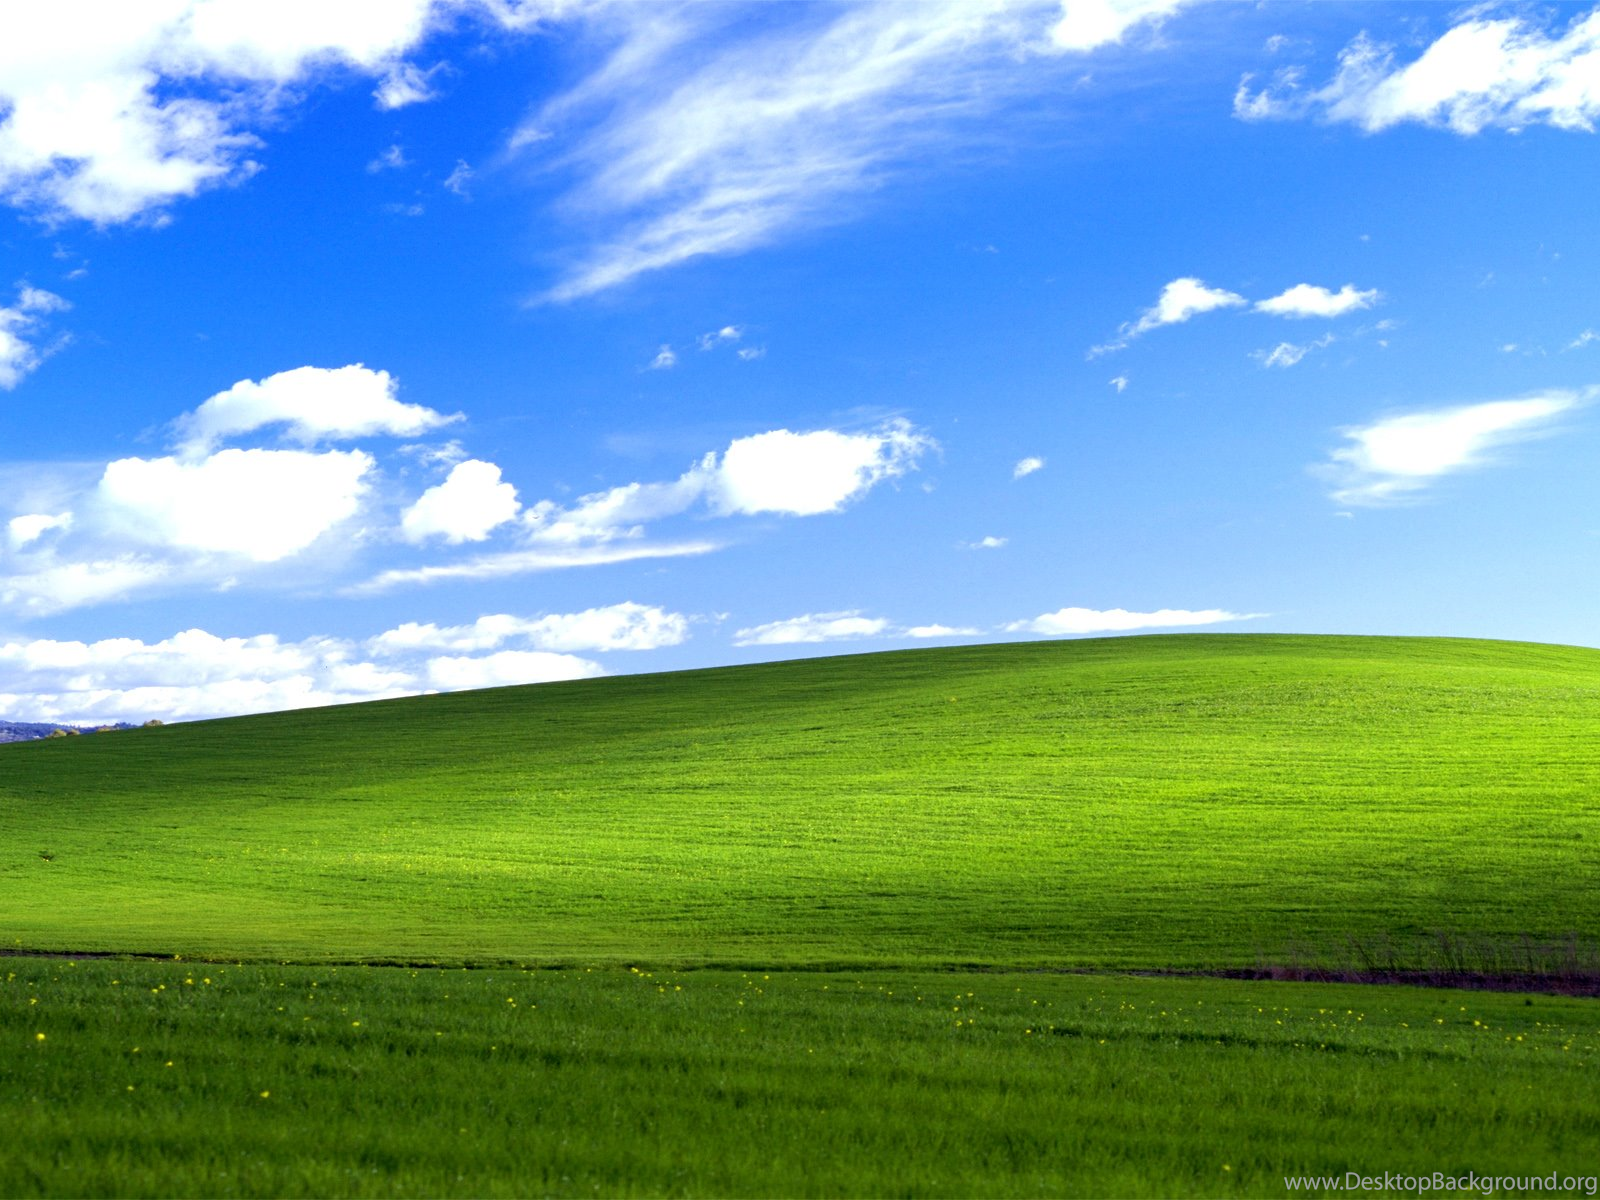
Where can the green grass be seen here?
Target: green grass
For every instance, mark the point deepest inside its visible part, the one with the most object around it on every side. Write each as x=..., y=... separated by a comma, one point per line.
x=1197, y=801
x=840, y=828
x=177, y=1079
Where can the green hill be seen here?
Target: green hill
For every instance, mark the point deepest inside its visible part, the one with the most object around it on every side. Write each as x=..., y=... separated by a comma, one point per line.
x=1194, y=801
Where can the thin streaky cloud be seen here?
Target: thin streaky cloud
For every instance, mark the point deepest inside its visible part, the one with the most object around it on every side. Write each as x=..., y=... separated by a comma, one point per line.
x=1070, y=621
x=527, y=562
x=1394, y=459
x=703, y=149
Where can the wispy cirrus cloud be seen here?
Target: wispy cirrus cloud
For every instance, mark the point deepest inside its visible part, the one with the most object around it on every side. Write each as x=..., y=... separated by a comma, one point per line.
x=21, y=323
x=1395, y=458
x=1487, y=71
x=699, y=136
x=849, y=626
x=1288, y=354
x=505, y=564
x=1068, y=621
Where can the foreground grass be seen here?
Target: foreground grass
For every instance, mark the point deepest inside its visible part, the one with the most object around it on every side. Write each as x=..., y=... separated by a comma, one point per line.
x=176, y=1079
x=1195, y=801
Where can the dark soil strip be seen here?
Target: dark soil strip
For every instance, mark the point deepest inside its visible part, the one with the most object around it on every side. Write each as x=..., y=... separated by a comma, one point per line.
x=1579, y=983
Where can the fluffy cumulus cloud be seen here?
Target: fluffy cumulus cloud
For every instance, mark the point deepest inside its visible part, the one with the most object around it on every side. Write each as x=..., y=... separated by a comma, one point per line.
x=312, y=404
x=196, y=674
x=1179, y=301
x=807, y=473
x=1488, y=71
x=1393, y=459
x=262, y=505
x=625, y=626
x=1189, y=297
x=21, y=323
x=689, y=142
x=209, y=516
x=797, y=474
x=470, y=504
x=213, y=517
x=1120, y=620
x=30, y=527
x=111, y=111
x=1309, y=300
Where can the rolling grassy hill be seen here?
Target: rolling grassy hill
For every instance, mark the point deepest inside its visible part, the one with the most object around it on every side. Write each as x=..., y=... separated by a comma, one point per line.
x=1190, y=802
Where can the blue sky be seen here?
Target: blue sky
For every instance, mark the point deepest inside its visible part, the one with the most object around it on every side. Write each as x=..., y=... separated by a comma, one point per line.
x=361, y=349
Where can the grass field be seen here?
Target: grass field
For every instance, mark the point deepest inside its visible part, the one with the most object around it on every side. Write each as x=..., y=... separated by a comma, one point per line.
x=1143, y=802
x=811, y=920
x=210, y=1079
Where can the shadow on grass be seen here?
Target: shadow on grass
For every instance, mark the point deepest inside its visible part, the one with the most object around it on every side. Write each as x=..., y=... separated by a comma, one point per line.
x=1568, y=967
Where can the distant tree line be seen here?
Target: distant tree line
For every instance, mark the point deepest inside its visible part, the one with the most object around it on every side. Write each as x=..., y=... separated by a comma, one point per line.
x=30, y=731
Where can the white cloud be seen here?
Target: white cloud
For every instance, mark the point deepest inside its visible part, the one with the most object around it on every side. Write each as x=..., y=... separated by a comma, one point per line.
x=751, y=353
x=1287, y=354
x=1306, y=300
x=1485, y=72
x=665, y=359
x=196, y=674
x=263, y=505
x=316, y=403
x=807, y=473
x=1179, y=300
x=111, y=112
x=797, y=474
x=506, y=564
x=717, y=337
x=391, y=159
x=1027, y=466
x=987, y=543
x=1120, y=383
x=710, y=144
x=50, y=586
x=466, y=507
x=507, y=668
x=30, y=527
x=20, y=323
x=1583, y=339
x=405, y=84
x=459, y=180
x=812, y=627
x=626, y=626
x=1120, y=620
x=840, y=627
x=1392, y=459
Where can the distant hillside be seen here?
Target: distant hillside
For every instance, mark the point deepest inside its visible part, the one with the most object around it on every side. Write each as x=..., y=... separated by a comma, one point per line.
x=1183, y=801
x=28, y=731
